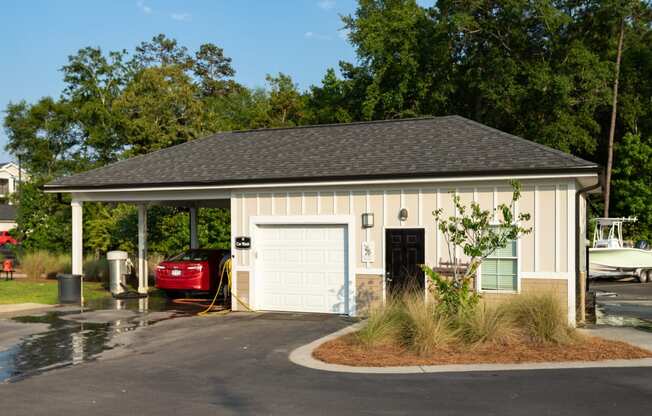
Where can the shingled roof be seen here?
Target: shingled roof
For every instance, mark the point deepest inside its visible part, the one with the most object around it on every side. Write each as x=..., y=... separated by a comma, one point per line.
x=419, y=147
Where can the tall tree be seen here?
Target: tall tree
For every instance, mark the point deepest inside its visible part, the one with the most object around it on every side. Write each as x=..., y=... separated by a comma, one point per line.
x=285, y=101
x=159, y=108
x=612, y=124
x=93, y=83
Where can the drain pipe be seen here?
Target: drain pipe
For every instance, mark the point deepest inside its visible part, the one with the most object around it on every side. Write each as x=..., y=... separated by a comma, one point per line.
x=580, y=281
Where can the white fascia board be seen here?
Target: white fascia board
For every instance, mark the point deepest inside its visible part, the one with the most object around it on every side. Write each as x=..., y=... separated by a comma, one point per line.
x=152, y=195
x=89, y=191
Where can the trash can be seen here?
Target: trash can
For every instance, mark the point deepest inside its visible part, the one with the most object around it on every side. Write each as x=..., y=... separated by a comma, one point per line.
x=117, y=271
x=69, y=288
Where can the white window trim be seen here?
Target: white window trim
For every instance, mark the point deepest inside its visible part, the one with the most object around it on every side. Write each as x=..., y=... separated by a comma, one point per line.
x=478, y=273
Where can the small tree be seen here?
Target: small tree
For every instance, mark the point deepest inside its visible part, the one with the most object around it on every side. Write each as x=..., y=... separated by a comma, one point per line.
x=478, y=234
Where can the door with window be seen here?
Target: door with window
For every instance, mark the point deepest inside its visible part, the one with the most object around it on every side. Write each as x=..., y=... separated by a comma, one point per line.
x=404, y=254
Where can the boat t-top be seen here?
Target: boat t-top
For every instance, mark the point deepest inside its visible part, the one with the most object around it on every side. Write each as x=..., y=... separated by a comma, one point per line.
x=609, y=256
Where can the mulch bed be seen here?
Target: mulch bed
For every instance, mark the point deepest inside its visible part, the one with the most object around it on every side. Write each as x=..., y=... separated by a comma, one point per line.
x=345, y=350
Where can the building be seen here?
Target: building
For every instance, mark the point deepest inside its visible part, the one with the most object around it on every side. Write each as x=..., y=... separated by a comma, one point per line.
x=9, y=181
x=298, y=198
x=9, y=184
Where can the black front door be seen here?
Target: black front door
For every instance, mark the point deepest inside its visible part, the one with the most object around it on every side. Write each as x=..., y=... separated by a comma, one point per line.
x=404, y=253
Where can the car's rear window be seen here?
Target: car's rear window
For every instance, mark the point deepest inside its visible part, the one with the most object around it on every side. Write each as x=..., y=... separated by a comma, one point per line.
x=191, y=255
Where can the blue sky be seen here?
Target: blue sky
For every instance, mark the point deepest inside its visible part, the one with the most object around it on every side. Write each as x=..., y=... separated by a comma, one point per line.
x=298, y=37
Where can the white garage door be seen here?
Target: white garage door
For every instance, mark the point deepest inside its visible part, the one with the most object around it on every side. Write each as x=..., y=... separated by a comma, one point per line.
x=301, y=268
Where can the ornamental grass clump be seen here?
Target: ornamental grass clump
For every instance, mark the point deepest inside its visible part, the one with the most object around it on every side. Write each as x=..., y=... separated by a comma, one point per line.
x=542, y=318
x=41, y=263
x=383, y=325
x=486, y=325
x=425, y=328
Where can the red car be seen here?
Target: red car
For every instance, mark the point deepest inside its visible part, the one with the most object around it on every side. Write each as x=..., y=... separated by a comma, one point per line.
x=5, y=238
x=192, y=270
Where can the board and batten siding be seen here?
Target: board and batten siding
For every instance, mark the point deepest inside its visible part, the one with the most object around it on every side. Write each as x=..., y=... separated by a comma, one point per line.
x=544, y=250
x=545, y=253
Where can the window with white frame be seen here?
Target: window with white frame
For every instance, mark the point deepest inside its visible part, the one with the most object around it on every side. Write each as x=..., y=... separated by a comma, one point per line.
x=499, y=271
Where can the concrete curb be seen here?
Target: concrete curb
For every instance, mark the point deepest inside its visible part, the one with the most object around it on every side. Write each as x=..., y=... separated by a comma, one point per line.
x=23, y=307
x=303, y=356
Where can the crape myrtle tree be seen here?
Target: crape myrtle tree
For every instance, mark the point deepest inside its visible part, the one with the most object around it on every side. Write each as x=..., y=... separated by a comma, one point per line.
x=472, y=235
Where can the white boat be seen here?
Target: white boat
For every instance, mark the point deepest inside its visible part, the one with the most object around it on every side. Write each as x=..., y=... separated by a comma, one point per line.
x=608, y=256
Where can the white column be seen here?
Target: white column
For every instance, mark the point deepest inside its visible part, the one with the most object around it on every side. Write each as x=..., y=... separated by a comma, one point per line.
x=77, y=237
x=194, y=236
x=142, y=248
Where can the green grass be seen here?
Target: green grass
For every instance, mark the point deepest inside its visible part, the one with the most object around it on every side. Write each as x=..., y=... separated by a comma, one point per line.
x=43, y=291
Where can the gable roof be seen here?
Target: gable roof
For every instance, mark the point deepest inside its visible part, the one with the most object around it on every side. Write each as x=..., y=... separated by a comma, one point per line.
x=419, y=147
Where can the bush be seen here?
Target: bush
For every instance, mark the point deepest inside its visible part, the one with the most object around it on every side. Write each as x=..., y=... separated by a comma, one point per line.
x=425, y=328
x=452, y=296
x=542, y=318
x=41, y=263
x=152, y=261
x=96, y=269
x=485, y=324
x=383, y=324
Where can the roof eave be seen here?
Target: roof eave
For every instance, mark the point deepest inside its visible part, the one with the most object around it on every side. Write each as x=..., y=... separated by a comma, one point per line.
x=591, y=169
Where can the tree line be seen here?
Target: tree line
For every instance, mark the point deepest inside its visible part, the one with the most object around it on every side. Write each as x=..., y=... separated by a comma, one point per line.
x=543, y=70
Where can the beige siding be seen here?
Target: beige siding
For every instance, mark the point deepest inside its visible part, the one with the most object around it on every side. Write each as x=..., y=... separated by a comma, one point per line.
x=326, y=202
x=503, y=196
x=411, y=203
x=342, y=203
x=375, y=233
x=250, y=209
x=545, y=229
x=265, y=204
x=242, y=291
x=448, y=210
x=236, y=224
x=359, y=206
x=563, y=238
x=429, y=204
x=486, y=198
x=547, y=246
x=295, y=201
x=310, y=201
x=526, y=205
x=280, y=204
x=393, y=204
x=466, y=198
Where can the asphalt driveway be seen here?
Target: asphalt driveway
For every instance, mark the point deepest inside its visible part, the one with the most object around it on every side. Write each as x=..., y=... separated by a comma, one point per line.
x=623, y=302
x=237, y=365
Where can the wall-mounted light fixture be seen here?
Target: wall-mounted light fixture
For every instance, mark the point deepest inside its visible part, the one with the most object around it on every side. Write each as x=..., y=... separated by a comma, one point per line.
x=367, y=220
x=403, y=214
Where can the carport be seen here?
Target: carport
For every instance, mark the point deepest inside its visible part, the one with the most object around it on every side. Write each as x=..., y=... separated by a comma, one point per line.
x=142, y=198
x=332, y=218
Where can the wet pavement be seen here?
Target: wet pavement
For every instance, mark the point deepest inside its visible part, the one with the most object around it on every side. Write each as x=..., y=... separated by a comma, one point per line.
x=623, y=303
x=66, y=336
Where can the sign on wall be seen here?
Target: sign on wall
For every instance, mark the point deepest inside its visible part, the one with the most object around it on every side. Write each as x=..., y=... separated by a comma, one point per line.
x=368, y=252
x=243, y=242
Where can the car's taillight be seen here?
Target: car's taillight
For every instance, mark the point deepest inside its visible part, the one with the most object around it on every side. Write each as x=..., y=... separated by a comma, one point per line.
x=159, y=267
x=197, y=267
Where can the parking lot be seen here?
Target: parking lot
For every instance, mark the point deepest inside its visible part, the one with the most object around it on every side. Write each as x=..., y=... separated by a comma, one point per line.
x=238, y=364
x=623, y=302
